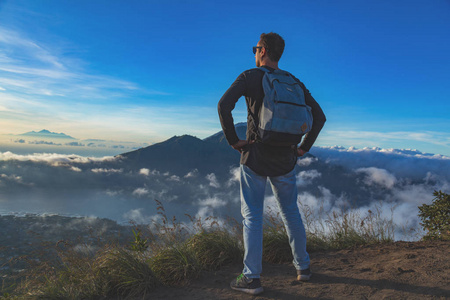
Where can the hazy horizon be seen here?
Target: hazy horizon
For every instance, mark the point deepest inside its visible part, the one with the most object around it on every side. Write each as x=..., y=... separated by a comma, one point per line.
x=20, y=144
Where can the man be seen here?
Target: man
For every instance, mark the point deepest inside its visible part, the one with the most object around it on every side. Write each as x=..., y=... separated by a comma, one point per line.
x=259, y=161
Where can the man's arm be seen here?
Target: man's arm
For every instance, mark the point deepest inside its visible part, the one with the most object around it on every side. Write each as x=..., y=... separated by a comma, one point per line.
x=318, y=122
x=226, y=105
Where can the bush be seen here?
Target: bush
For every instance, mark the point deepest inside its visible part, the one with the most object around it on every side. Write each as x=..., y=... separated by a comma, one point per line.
x=436, y=217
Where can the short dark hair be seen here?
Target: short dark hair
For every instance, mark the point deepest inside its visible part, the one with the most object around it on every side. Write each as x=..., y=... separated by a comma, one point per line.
x=274, y=45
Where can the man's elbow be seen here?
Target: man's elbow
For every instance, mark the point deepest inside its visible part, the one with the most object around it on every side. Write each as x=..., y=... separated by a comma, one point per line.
x=321, y=119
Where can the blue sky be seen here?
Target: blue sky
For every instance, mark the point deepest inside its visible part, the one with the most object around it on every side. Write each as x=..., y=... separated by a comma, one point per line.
x=147, y=70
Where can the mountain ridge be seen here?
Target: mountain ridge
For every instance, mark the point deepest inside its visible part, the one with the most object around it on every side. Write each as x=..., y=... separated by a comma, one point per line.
x=182, y=154
x=47, y=133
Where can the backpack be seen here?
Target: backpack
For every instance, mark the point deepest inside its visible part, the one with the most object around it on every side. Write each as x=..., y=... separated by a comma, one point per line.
x=284, y=116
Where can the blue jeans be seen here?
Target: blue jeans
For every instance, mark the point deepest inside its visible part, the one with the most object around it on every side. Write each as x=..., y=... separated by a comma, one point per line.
x=252, y=206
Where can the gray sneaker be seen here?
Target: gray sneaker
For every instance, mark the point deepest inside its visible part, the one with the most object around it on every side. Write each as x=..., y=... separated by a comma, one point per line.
x=247, y=285
x=304, y=275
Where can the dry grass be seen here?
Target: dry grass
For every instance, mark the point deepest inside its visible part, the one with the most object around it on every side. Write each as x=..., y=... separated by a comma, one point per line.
x=215, y=249
x=170, y=252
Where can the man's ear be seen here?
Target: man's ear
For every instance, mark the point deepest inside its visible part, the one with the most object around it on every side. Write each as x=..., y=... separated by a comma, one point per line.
x=263, y=51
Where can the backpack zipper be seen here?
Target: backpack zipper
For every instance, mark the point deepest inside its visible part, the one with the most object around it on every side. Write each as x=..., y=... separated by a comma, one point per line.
x=291, y=103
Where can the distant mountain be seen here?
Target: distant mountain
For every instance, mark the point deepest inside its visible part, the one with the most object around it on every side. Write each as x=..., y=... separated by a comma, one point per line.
x=47, y=134
x=182, y=154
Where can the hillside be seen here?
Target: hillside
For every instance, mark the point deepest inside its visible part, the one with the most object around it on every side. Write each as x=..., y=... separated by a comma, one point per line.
x=35, y=237
x=182, y=154
x=401, y=270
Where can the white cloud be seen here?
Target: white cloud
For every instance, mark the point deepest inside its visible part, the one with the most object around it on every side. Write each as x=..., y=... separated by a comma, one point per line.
x=191, y=174
x=305, y=177
x=112, y=193
x=235, y=176
x=136, y=215
x=415, y=194
x=204, y=212
x=213, y=180
x=148, y=172
x=103, y=170
x=55, y=158
x=75, y=169
x=14, y=40
x=371, y=138
x=12, y=177
x=174, y=178
x=399, y=162
x=378, y=176
x=144, y=171
x=140, y=192
x=49, y=72
x=306, y=161
x=212, y=202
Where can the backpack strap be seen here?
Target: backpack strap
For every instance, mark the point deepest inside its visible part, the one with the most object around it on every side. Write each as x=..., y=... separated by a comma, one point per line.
x=265, y=70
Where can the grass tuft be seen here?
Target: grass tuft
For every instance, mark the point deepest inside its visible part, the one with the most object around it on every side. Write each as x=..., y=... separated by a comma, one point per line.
x=215, y=249
x=175, y=265
x=124, y=273
x=276, y=248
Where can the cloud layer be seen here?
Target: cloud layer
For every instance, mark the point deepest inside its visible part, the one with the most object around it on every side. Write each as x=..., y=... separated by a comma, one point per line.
x=336, y=179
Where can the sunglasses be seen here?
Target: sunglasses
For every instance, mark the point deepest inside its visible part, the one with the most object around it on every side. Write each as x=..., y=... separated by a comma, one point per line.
x=255, y=49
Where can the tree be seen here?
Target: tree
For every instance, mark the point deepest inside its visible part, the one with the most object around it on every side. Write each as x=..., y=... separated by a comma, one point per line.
x=436, y=217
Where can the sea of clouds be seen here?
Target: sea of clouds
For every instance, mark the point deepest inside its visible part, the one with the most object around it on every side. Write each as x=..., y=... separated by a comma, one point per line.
x=391, y=181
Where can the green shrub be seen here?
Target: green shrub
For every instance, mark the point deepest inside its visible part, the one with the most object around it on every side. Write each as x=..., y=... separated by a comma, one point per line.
x=436, y=217
x=139, y=244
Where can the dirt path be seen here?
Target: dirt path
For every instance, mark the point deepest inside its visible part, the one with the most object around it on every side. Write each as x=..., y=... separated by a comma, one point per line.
x=419, y=270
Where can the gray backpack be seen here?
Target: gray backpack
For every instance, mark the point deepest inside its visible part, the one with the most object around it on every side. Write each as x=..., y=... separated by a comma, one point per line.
x=284, y=116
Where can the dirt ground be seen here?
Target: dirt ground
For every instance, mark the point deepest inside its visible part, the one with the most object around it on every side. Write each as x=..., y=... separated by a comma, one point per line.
x=401, y=270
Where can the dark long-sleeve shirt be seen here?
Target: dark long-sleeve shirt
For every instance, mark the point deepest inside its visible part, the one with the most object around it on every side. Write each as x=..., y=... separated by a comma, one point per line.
x=264, y=159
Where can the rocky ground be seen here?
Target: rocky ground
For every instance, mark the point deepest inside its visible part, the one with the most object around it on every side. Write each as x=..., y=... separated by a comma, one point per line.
x=401, y=270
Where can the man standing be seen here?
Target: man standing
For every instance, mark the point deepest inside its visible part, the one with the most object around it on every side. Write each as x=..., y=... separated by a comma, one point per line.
x=260, y=160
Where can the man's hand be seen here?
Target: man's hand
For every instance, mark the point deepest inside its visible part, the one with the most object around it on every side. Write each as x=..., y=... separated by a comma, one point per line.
x=241, y=144
x=300, y=152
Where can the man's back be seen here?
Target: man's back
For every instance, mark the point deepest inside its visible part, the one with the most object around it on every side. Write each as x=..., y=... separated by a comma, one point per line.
x=261, y=158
